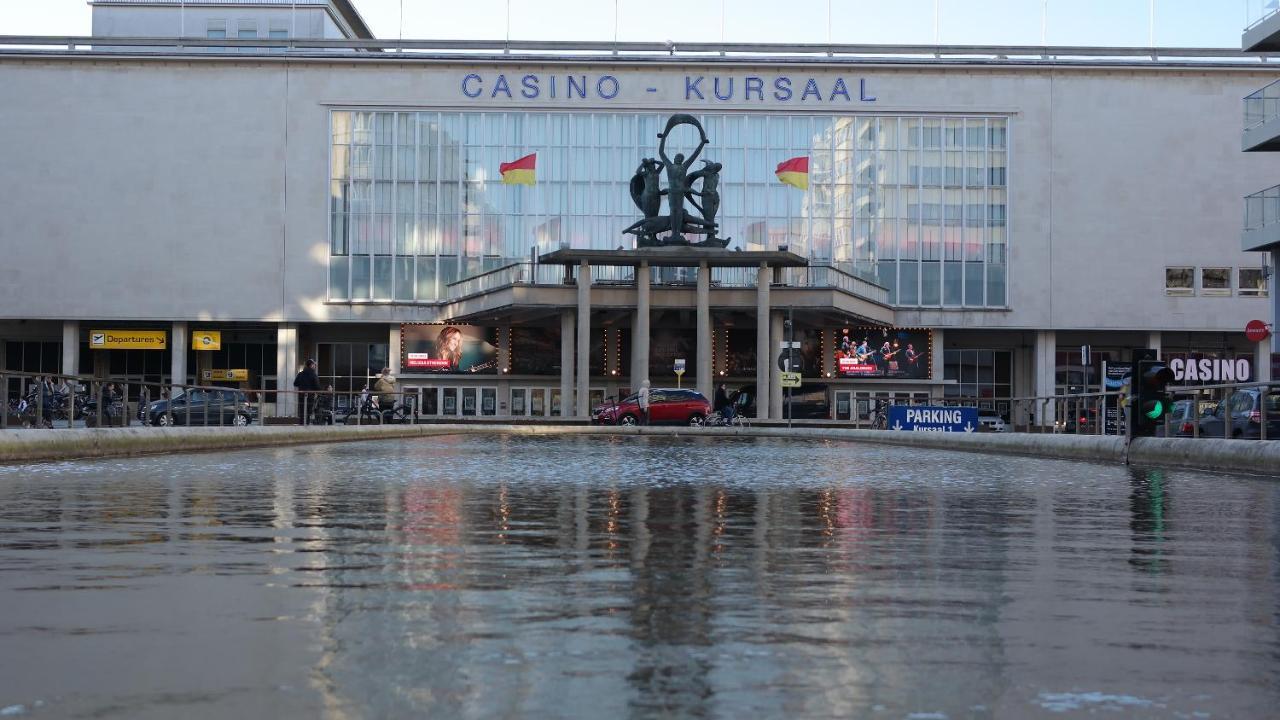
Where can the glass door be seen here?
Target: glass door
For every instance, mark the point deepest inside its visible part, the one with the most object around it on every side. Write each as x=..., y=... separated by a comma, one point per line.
x=429, y=401
x=468, y=401
x=489, y=401
x=519, y=402
x=538, y=402
x=449, y=401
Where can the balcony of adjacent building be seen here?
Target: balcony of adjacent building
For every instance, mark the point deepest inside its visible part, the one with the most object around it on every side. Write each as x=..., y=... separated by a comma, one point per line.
x=1262, y=220
x=1263, y=32
x=1262, y=120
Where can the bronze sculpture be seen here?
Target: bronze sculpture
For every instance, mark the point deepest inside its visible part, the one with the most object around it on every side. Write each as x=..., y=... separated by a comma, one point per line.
x=680, y=188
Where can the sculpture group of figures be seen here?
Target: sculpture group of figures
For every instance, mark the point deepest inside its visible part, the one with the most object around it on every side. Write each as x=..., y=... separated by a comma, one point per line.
x=700, y=188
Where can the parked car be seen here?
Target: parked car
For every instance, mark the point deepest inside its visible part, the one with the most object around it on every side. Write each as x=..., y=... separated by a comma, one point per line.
x=1179, y=421
x=808, y=402
x=1245, y=409
x=667, y=406
x=203, y=407
x=991, y=422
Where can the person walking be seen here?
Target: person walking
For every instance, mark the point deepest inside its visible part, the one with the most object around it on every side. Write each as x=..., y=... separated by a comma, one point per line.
x=721, y=400
x=305, y=383
x=644, y=402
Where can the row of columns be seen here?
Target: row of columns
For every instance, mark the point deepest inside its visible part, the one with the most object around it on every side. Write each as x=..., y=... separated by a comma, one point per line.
x=577, y=324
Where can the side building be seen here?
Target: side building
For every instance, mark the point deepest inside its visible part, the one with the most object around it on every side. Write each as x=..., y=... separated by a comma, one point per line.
x=968, y=223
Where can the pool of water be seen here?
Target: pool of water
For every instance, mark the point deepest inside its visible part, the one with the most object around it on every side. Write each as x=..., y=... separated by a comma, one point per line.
x=641, y=577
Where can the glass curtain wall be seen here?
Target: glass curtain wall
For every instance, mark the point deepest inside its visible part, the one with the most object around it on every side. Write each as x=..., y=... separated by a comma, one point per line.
x=918, y=204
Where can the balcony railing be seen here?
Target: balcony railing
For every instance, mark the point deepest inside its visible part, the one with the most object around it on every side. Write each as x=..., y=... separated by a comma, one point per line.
x=538, y=274
x=1262, y=209
x=1257, y=11
x=1262, y=106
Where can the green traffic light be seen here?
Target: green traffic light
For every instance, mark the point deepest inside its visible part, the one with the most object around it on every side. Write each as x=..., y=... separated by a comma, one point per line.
x=1156, y=411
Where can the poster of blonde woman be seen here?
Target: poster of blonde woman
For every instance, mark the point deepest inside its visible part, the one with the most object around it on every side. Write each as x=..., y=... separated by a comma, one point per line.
x=449, y=349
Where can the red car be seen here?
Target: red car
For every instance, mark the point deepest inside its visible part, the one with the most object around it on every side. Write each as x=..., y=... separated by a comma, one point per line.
x=667, y=406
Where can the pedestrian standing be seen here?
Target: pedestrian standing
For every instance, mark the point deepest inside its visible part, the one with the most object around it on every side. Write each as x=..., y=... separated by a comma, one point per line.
x=644, y=402
x=305, y=383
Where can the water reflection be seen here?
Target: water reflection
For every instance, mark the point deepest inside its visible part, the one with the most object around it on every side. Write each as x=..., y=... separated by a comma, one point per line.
x=471, y=577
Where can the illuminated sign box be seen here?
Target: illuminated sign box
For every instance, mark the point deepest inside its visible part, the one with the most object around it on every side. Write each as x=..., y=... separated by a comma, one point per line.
x=128, y=340
x=206, y=340
x=233, y=375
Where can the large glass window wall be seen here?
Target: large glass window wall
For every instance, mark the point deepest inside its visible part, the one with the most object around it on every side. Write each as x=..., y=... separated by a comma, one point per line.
x=916, y=203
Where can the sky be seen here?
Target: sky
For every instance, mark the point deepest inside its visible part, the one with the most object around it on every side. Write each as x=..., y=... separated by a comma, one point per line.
x=1178, y=23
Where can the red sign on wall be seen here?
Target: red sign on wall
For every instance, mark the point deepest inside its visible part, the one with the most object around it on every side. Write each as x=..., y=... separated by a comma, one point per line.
x=1256, y=331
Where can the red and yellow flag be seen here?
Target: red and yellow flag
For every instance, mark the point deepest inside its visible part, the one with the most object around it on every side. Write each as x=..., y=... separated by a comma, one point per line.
x=520, y=172
x=795, y=172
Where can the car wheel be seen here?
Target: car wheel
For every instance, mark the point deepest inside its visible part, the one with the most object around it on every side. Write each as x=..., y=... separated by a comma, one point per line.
x=696, y=420
x=629, y=420
x=240, y=420
x=164, y=420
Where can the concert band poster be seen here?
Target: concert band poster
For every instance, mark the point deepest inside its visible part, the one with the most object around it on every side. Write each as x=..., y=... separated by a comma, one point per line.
x=879, y=352
x=449, y=349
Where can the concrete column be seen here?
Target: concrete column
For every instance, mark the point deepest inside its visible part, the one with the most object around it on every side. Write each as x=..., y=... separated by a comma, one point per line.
x=1154, y=339
x=937, y=361
x=706, y=376
x=286, y=367
x=179, y=342
x=1273, y=287
x=640, y=330
x=71, y=347
x=566, y=362
x=763, y=356
x=583, y=405
x=775, y=374
x=1262, y=362
x=1045, y=373
x=393, y=349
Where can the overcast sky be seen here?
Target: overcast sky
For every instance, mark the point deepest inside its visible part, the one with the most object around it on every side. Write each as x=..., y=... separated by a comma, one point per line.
x=1200, y=23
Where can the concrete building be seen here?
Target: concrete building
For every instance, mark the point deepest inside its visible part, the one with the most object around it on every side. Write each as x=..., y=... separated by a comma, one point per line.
x=1262, y=134
x=984, y=212
x=220, y=19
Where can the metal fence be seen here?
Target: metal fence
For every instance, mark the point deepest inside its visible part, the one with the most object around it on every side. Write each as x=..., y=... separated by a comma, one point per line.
x=51, y=401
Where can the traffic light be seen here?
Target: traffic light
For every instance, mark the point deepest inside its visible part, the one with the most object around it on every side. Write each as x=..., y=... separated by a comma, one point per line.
x=1151, y=400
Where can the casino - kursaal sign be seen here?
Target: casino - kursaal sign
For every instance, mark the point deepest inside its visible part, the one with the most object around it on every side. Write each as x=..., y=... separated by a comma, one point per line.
x=708, y=89
x=1210, y=370
x=924, y=418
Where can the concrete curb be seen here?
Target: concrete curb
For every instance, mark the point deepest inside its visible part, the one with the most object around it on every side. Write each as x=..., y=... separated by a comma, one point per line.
x=20, y=446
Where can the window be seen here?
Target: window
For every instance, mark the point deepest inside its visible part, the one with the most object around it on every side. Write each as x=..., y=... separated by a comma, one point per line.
x=1253, y=282
x=1179, y=281
x=1215, y=281
x=246, y=29
x=216, y=29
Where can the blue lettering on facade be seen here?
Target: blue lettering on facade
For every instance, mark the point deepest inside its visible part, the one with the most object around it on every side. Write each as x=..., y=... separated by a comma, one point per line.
x=468, y=79
x=500, y=86
x=691, y=88
x=782, y=85
x=530, y=83
x=728, y=93
x=811, y=88
x=840, y=89
x=607, y=87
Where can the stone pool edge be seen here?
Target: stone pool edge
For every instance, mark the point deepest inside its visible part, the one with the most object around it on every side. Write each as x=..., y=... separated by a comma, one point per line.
x=22, y=446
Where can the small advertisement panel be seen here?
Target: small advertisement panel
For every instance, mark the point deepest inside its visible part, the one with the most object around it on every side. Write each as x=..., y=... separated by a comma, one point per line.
x=448, y=349
x=894, y=353
x=1117, y=378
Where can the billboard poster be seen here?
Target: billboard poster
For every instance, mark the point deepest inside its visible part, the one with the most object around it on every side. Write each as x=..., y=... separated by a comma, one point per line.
x=448, y=349
x=535, y=351
x=878, y=352
x=1116, y=378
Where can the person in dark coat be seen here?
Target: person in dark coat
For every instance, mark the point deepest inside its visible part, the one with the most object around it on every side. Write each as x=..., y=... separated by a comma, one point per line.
x=305, y=383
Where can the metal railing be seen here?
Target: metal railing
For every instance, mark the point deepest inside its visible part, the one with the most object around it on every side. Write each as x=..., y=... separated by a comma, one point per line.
x=1262, y=106
x=828, y=276
x=1257, y=11
x=642, y=50
x=55, y=401
x=1262, y=208
x=1226, y=418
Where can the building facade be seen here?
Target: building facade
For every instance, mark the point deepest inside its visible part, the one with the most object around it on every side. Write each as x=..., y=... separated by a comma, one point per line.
x=971, y=221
